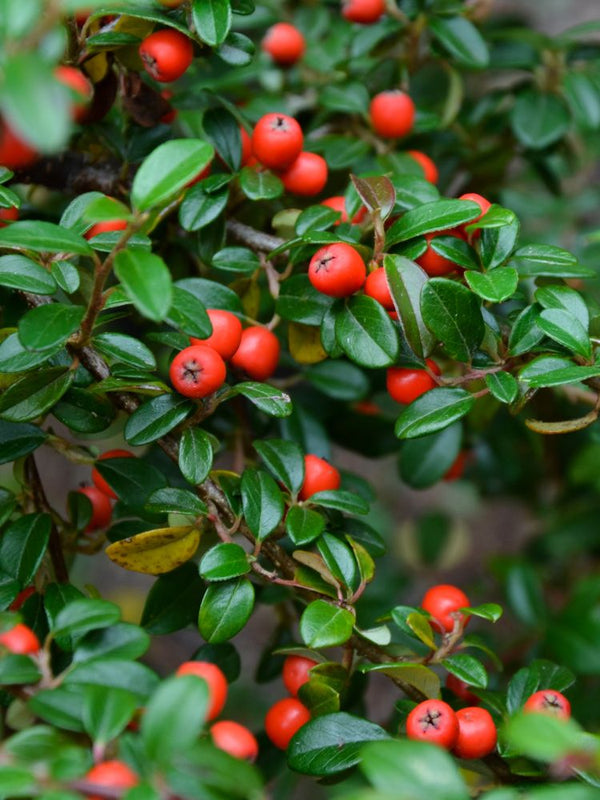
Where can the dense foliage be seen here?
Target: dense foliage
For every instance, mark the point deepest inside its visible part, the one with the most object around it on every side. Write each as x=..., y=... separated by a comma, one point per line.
x=131, y=213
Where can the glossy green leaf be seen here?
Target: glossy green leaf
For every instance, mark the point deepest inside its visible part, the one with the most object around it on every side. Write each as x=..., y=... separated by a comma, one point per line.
x=284, y=459
x=18, y=440
x=565, y=298
x=496, y=244
x=18, y=669
x=433, y=411
x=174, y=717
x=453, y=314
x=331, y=743
x=496, y=286
x=547, y=260
x=425, y=461
x=262, y=502
x=299, y=301
x=147, y=282
x=236, y=259
x=132, y=480
x=188, y=314
x=503, y=386
x=200, y=207
x=225, y=609
x=223, y=131
x=303, y=525
x=49, y=325
x=81, y=616
x=461, y=39
x=106, y=712
x=114, y=673
x=19, y=272
x=366, y=334
x=120, y=640
x=224, y=561
x=467, y=668
x=155, y=418
x=212, y=20
x=338, y=379
x=269, y=399
x=406, y=280
x=42, y=237
x=325, y=625
x=455, y=250
x=23, y=546
x=339, y=560
x=14, y=357
x=525, y=333
x=559, y=377
x=173, y=601
x=341, y=500
x=176, y=501
x=377, y=193
x=34, y=394
x=437, y=216
x=125, y=349
x=195, y=455
x=565, y=329
x=168, y=170
x=260, y=185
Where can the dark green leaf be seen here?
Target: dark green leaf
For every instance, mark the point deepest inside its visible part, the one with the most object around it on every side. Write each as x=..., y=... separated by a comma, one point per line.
x=49, y=325
x=406, y=280
x=539, y=119
x=433, y=411
x=174, y=717
x=313, y=218
x=16, y=669
x=236, y=259
x=173, y=601
x=425, y=461
x=155, y=418
x=195, y=455
x=19, y=272
x=114, y=673
x=81, y=616
x=188, y=314
x=262, y=502
x=18, y=440
x=223, y=130
x=496, y=286
x=237, y=50
x=270, y=400
x=350, y=98
x=461, y=39
x=147, y=282
x=299, y=301
x=212, y=20
x=61, y=707
x=225, y=609
x=223, y=562
x=23, y=545
x=503, y=386
x=525, y=595
x=565, y=298
x=132, y=480
x=546, y=260
x=453, y=314
x=176, y=501
x=366, y=334
x=200, y=208
x=285, y=460
x=325, y=625
x=525, y=333
x=260, y=185
x=565, y=329
x=122, y=640
x=14, y=357
x=467, y=668
x=338, y=379
x=42, y=237
x=303, y=525
x=339, y=560
x=342, y=501
x=557, y=377
x=456, y=250
x=34, y=394
x=125, y=349
x=496, y=244
x=106, y=712
x=437, y=216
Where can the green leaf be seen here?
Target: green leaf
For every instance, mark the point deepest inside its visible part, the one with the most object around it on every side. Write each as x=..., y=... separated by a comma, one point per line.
x=212, y=20
x=349, y=502
x=269, y=399
x=377, y=193
x=223, y=130
x=188, y=314
x=285, y=460
x=525, y=333
x=60, y=707
x=503, y=386
x=36, y=104
x=168, y=170
x=299, y=301
x=262, y=502
x=325, y=625
x=125, y=349
x=406, y=280
x=19, y=272
x=490, y=611
x=461, y=39
x=456, y=250
x=17, y=782
x=17, y=669
x=547, y=738
x=467, y=668
x=565, y=329
x=495, y=286
x=81, y=616
x=225, y=609
x=260, y=185
x=315, y=218
x=303, y=525
x=525, y=595
x=106, y=712
x=557, y=377
x=223, y=562
x=42, y=237
x=155, y=418
x=236, y=259
x=425, y=461
x=423, y=772
x=49, y=325
x=195, y=455
x=132, y=480
x=174, y=717
x=173, y=601
x=338, y=379
x=413, y=190
x=104, y=208
x=565, y=298
x=176, y=501
x=453, y=314
x=237, y=50
x=349, y=98
x=331, y=743
x=339, y=560
x=539, y=119
x=200, y=207
x=433, y=411
x=17, y=440
x=366, y=334
x=496, y=244
x=123, y=640
x=14, y=357
x=114, y=673
x=437, y=216
x=34, y=394
x=545, y=260
x=147, y=282
x=23, y=545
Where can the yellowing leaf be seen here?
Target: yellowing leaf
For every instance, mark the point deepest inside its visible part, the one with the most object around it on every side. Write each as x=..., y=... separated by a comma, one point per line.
x=96, y=67
x=417, y=675
x=305, y=343
x=249, y=294
x=157, y=551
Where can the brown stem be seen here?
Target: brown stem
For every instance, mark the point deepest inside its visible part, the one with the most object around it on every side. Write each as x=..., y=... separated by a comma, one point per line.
x=257, y=240
x=59, y=566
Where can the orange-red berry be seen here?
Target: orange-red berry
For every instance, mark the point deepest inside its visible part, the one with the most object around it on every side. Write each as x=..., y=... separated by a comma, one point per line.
x=338, y=203
x=75, y=80
x=284, y=43
x=365, y=12
x=197, y=371
x=392, y=114
x=111, y=775
x=405, y=384
x=296, y=672
x=215, y=679
x=433, y=721
x=226, y=334
x=433, y=263
x=548, y=701
x=430, y=170
x=319, y=476
x=306, y=176
x=20, y=640
x=443, y=602
x=235, y=739
x=166, y=54
x=14, y=152
x=258, y=353
x=477, y=735
x=377, y=287
x=284, y=719
x=277, y=141
x=101, y=508
x=337, y=270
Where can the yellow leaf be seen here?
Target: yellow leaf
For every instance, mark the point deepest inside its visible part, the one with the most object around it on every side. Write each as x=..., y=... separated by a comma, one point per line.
x=248, y=291
x=157, y=551
x=305, y=343
x=96, y=67
x=417, y=675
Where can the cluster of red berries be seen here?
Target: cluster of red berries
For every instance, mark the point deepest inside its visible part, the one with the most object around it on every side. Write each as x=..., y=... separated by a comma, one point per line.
x=199, y=370
x=287, y=716
x=100, y=494
x=277, y=142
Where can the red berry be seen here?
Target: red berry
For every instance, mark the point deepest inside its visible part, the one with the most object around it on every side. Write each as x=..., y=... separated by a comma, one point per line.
x=337, y=270
x=319, y=476
x=548, y=701
x=461, y=690
x=277, y=140
x=75, y=80
x=98, y=480
x=283, y=720
x=235, y=739
x=197, y=371
x=14, y=152
x=442, y=602
x=284, y=43
x=226, y=335
x=113, y=775
x=101, y=508
x=405, y=385
x=376, y=286
x=106, y=227
x=246, y=146
x=257, y=354
x=216, y=680
x=477, y=735
x=296, y=671
x=20, y=640
x=166, y=54
x=458, y=467
x=429, y=168
x=366, y=12
x=392, y=114
x=306, y=176
x=21, y=598
x=9, y=214
x=433, y=721
x=483, y=204
x=433, y=263
x=338, y=203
